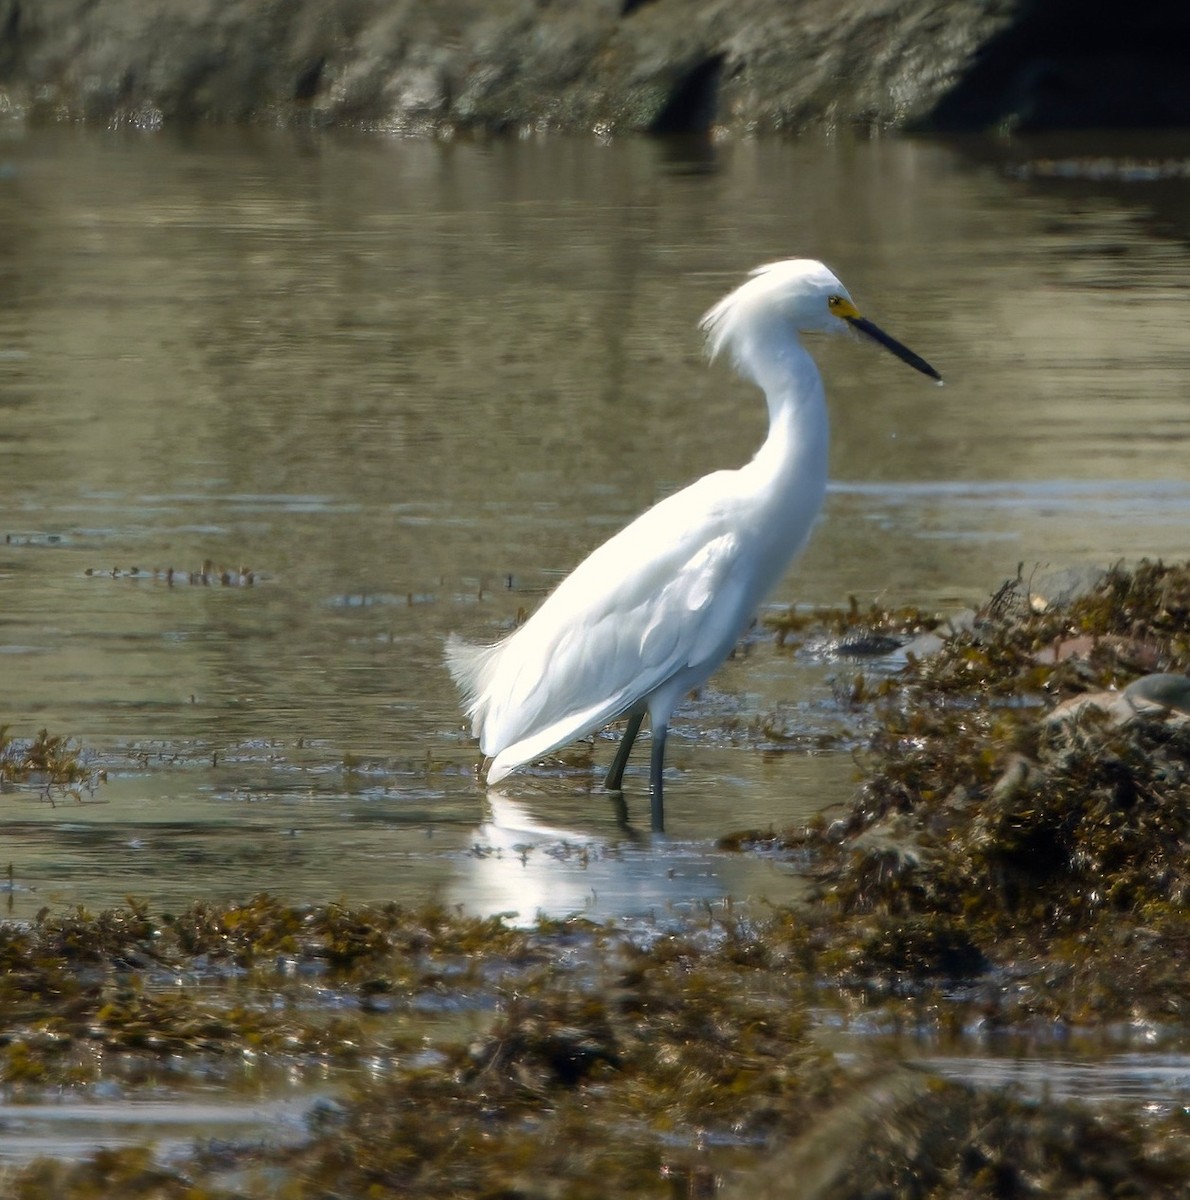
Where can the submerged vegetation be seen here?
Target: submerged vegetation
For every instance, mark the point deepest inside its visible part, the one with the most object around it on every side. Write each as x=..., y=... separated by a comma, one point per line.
x=1016, y=858
x=47, y=760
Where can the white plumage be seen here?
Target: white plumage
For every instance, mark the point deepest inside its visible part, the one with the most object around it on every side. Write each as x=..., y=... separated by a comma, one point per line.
x=651, y=613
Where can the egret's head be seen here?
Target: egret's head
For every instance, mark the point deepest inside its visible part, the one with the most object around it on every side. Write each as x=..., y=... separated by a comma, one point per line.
x=798, y=295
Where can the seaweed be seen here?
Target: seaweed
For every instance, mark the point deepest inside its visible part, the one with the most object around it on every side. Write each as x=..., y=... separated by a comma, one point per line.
x=1035, y=833
x=49, y=760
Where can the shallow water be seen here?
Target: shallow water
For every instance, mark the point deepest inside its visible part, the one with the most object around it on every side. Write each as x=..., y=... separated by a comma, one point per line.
x=171, y=1122
x=408, y=385
x=1160, y=1081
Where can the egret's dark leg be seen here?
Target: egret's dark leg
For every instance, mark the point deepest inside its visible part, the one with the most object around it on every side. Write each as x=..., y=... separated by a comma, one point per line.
x=656, y=770
x=615, y=777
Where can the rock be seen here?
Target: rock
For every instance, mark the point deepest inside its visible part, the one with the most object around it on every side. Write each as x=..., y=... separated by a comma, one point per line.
x=1166, y=691
x=901, y=1132
x=1163, y=695
x=1017, y=777
x=895, y=841
x=867, y=643
x=665, y=66
x=818, y=1165
x=1060, y=588
x=925, y=645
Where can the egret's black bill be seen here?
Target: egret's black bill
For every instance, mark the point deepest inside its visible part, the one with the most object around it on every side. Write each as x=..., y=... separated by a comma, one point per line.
x=890, y=343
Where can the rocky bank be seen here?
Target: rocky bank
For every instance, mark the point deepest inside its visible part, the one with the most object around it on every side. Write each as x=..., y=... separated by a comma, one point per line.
x=604, y=66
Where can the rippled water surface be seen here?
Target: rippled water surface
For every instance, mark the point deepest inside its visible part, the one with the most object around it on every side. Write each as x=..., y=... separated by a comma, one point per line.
x=409, y=385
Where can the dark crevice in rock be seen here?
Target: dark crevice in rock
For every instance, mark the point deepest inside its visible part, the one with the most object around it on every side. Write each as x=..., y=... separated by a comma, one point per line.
x=306, y=87
x=694, y=100
x=10, y=35
x=1066, y=65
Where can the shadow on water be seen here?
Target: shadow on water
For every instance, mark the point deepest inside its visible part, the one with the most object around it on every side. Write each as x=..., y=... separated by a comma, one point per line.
x=1143, y=174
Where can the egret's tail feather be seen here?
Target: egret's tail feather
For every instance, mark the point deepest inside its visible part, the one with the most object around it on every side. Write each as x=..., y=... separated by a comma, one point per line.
x=468, y=666
x=538, y=743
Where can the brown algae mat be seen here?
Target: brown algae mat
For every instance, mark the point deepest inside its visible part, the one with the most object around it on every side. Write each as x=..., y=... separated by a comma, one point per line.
x=1015, y=859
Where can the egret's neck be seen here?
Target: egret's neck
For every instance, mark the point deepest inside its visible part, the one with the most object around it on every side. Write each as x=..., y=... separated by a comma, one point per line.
x=798, y=428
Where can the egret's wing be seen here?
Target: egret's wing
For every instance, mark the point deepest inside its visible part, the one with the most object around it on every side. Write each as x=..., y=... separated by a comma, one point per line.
x=658, y=598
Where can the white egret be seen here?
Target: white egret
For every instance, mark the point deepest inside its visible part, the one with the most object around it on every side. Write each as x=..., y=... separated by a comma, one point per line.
x=650, y=614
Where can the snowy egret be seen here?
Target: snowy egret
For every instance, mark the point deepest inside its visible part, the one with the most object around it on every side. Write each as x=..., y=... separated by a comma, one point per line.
x=650, y=614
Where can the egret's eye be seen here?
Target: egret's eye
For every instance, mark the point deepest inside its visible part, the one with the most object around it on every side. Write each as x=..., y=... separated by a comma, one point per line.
x=835, y=301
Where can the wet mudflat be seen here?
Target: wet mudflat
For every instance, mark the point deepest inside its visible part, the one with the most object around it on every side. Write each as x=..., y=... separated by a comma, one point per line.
x=401, y=386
